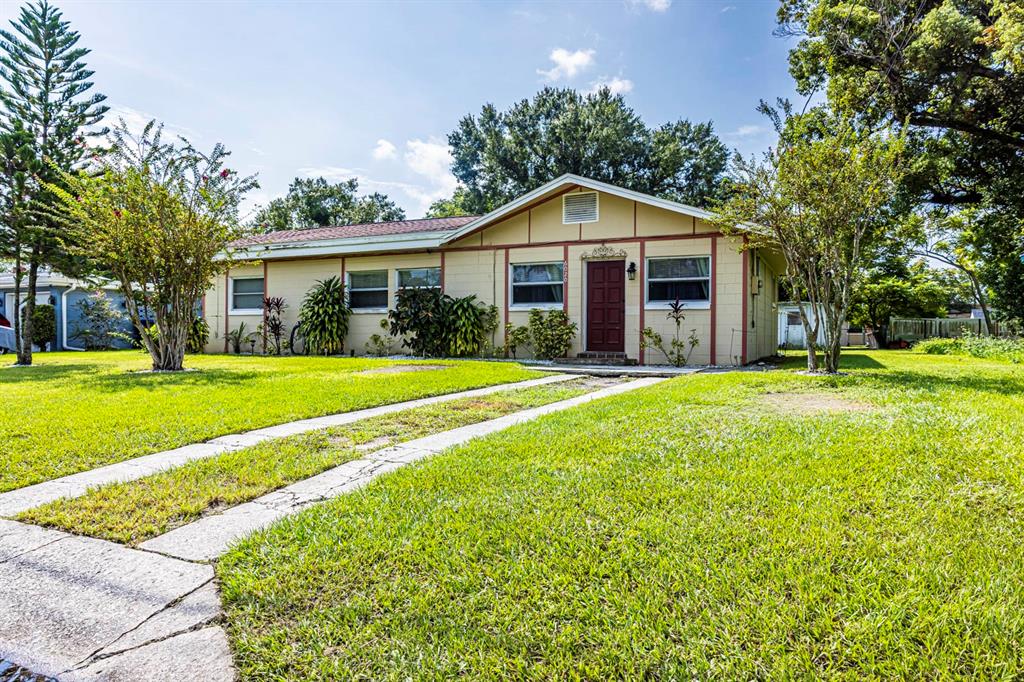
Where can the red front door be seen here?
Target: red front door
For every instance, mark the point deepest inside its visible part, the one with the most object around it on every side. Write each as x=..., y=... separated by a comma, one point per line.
x=606, y=305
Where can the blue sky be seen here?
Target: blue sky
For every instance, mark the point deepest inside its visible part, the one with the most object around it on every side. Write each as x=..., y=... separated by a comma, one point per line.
x=372, y=89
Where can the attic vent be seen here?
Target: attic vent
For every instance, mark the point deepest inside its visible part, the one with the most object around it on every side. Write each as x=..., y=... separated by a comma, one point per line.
x=579, y=207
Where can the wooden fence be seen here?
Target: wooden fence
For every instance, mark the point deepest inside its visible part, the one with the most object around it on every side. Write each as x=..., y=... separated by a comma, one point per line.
x=912, y=329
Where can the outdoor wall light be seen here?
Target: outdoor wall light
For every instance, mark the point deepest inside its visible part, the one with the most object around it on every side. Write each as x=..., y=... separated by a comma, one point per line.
x=631, y=271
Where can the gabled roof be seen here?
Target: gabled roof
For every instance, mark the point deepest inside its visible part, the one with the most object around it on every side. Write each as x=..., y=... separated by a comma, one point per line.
x=560, y=185
x=361, y=230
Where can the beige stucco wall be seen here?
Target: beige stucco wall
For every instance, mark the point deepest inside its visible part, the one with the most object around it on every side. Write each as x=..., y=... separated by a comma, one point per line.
x=476, y=265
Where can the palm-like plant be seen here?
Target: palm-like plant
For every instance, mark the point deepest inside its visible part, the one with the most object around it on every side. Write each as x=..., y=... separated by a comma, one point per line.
x=324, y=317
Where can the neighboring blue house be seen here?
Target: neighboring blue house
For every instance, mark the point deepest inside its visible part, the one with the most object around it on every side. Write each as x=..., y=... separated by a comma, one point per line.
x=63, y=293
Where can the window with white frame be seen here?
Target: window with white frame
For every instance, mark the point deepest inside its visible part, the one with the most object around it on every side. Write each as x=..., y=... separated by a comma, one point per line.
x=419, y=278
x=368, y=290
x=537, y=285
x=685, y=279
x=247, y=294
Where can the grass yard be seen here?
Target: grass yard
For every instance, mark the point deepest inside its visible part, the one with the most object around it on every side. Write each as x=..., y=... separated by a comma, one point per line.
x=135, y=511
x=729, y=526
x=76, y=411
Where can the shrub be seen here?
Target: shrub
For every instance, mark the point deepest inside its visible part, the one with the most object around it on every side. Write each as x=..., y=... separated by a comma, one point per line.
x=517, y=337
x=680, y=351
x=324, y=316
x=551, y=335
x=380, y=344
x=198, y=335
x=992, y=348
x=101, y=322
x=44, y=325
x=435, y=324
x=272, y=330
x=238, y=337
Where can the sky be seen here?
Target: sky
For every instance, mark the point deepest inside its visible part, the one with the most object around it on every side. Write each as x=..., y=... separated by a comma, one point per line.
x=371, y=90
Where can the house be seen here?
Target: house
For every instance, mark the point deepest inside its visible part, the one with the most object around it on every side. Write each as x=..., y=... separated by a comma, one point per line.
x=613, y=259
x=64, y=294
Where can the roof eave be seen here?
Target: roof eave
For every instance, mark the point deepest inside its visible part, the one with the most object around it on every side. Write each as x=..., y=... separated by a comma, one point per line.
x=337, y=247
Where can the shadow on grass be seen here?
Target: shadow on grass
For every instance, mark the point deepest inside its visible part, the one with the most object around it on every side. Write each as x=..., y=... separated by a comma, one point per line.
x=16, y=375
x=1009, y=385
x=849, y=359
x=119, y=381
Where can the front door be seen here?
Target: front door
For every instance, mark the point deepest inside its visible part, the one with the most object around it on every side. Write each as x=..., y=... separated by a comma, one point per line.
x=606, y=306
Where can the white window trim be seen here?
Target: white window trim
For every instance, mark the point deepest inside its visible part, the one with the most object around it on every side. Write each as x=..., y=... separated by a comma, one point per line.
x=348, y=288
x=398, y=276
x=231, y=297
x=597, y=208
x=535, y=306
x=687, y=305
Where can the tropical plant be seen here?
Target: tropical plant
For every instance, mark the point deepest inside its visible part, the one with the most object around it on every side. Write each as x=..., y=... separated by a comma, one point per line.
x=324, y=317
x=238, y=337
x=515, y=338
x=45, y=103
x=435, y=324
x=272, y=330
x=43, y=326
x=101, y=321
x=380, y=344
x=198, y=335
x=551, y=335
x=679, y=352
x=156, y=216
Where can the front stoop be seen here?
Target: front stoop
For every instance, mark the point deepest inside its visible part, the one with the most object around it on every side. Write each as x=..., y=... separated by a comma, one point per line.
x=600, y=358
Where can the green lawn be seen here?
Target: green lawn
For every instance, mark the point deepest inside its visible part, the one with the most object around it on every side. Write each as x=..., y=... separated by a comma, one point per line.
x=135, y=511
x=729, y=526
x=75, y=411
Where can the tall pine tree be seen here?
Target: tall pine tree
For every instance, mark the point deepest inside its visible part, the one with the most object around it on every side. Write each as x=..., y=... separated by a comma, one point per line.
x=44, y=88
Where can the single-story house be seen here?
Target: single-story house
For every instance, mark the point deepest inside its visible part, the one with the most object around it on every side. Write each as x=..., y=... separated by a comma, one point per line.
x=64, y=294
x=613, y=259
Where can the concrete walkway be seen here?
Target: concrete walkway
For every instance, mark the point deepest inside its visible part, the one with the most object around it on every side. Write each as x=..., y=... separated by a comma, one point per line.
x=85, y=609
x=22, y=499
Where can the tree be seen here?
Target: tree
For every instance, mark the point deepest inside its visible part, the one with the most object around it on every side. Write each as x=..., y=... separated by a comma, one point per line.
x=877, y=300
x=499, y=156
x=47, y=97
x=456, y=205
x=820, y=198
x=156, y=216
x=18, y=168
x=952, y=73
x=314, y=202
x=101, y=321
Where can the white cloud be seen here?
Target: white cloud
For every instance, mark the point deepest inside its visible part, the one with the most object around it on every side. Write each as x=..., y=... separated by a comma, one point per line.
x=567, y=64
x=653, y=5
x=617, y=85
x=384, y=150
x=728, y=8
x=136, y=122
x=749, y=130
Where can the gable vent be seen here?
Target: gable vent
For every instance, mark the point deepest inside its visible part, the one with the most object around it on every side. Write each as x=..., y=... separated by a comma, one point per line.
x=580, y=207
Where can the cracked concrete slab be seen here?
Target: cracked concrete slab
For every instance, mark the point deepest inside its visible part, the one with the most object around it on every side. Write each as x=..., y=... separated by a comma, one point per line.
x=19, y=538
x=210, y=536
x=16, y=501
x=72, y=597
x=202, y=654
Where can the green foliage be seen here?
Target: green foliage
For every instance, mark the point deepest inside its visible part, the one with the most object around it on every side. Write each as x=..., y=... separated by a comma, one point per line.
x=551, y=334
x=456, y=205
x=680, y=351
x=324, y=317
x=517, y=337
x=198, y=335
x=314, y=202
x=434, y=324
x=272, y=330
x=239, y=337
x=876, y=301
x=380, y=344
x=45, y=106
x=44, y=325
x=101, y=321
x=500, y=155
x=989, y=347
x=156, y=215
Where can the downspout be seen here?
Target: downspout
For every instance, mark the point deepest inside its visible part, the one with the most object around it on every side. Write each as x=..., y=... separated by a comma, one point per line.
x=64, y=318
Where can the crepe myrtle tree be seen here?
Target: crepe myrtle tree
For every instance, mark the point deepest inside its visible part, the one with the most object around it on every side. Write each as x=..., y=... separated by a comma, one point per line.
x=822, y=197
x=155, y=216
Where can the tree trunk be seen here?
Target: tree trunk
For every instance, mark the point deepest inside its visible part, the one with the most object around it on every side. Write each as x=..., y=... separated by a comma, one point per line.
x=25, y=348
x=979, y=295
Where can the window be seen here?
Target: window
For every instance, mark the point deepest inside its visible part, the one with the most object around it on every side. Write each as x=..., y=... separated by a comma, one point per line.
x=579, y=207
x=683, y=279
x=417, y=278
x=246, y=294
x=537, y=285
x=368, y=290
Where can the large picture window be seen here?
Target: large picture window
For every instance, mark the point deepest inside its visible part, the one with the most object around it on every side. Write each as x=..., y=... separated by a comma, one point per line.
x=687, y=280
x=368, y=290
x=419, y=278
x=537, y=285
x=247, y=294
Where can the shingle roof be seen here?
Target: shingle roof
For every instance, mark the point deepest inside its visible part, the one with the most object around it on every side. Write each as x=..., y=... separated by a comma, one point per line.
x=362, y=230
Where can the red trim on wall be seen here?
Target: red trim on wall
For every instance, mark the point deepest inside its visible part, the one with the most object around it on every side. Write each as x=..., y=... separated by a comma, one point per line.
x=565, y=279
x=529, y=226
x=746, y=295
x=442, y=272
x=343, y=270
x=643, y=295
x=264, y=307
x=714, y=298
x=693, y=218
x=581, y=232
x=505, y=281
x=227, y=293
x=609, y=240
x=528, y=207
x=634, y=218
